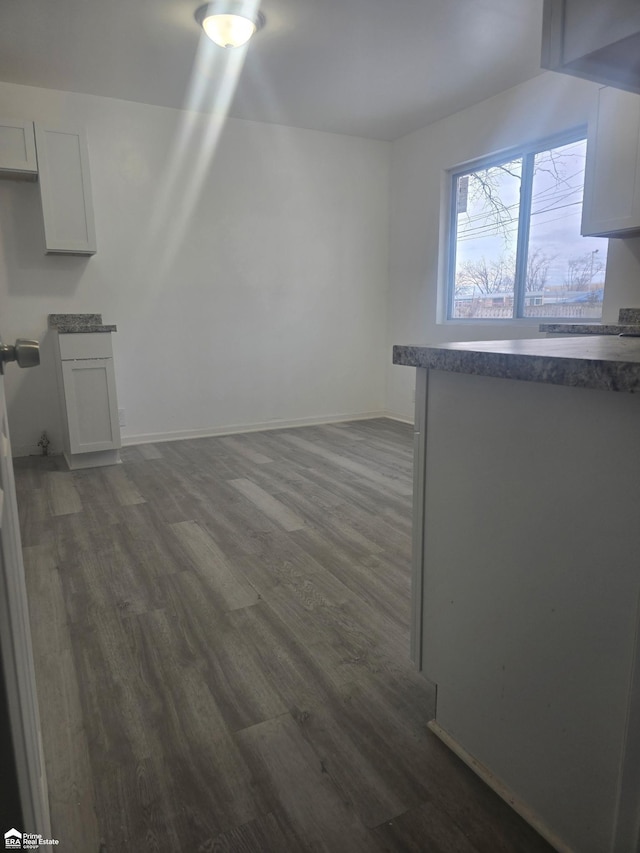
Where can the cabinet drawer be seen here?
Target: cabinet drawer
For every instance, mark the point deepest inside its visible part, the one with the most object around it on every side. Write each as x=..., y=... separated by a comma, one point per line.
x=85, y=345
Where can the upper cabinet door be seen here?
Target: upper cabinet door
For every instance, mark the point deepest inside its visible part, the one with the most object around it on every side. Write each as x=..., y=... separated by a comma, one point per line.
x=17, y=150
x=593, y=39
x=611, y=206
x=65, y=186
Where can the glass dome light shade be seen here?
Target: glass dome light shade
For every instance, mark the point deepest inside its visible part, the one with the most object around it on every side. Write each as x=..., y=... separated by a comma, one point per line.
x=229, y=30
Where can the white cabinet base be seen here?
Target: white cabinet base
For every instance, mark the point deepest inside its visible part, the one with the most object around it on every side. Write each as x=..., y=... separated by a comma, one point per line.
x=92, y=460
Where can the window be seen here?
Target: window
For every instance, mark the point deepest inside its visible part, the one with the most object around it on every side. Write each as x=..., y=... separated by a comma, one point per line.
x=516, y=249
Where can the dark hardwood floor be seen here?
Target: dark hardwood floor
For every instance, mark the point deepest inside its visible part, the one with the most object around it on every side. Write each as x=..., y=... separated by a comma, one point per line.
x=221, y=633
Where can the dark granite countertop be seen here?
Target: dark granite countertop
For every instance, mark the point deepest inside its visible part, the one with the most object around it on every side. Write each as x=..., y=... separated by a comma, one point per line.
x=69, y=324
x=599, y=362
x=590, y=328
x=628, y=324
x=74, y=330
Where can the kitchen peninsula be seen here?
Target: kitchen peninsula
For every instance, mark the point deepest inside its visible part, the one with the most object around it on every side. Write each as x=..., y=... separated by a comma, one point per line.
x=526, y=573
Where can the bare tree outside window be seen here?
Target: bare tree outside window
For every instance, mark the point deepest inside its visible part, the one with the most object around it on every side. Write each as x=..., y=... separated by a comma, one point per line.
x=516, y=245
x=485, y=277
x=582, y=271
x=538, y=263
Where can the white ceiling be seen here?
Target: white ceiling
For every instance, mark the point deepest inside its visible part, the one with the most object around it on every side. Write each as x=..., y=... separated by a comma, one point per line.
x=374, y=68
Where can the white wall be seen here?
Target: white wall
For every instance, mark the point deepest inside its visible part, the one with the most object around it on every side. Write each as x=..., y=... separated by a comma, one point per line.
x=540, y=107
x=248, y=288
x=257, y=286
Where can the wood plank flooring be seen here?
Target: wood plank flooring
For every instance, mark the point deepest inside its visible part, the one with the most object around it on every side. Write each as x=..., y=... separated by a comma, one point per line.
x=221, y=632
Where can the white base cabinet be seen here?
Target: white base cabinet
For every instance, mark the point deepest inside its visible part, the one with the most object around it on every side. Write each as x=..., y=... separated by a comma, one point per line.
x=90, y=406
x=528, y=619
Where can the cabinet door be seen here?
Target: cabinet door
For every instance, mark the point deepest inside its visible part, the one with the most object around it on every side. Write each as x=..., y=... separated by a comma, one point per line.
x=65, y=187
x=17, y=150
x=91, y=404
x=612, y=181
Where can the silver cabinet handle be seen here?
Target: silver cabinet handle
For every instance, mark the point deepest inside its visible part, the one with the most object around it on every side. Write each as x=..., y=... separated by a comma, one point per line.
x=26, y=353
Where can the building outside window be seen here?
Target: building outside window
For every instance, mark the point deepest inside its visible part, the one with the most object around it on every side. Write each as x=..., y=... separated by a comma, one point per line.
x=515, y=248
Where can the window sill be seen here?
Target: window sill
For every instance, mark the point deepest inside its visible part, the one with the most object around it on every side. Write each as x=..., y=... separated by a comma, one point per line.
x=519, y=321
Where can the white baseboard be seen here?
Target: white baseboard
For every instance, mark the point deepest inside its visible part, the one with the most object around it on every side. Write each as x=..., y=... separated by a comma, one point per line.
x=25, y=450
x=178, y=435
x=31, y=450
x=394, y=416
x=96, y=459
x=234, y=429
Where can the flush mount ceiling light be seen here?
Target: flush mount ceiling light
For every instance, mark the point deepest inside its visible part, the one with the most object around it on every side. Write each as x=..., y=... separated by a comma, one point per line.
x=230, y=24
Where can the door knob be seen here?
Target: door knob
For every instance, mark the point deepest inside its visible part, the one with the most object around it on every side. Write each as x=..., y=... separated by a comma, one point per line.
x=26, y=353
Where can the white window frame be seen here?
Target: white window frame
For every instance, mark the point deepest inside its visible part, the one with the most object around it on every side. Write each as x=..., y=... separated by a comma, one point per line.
x=527, y=153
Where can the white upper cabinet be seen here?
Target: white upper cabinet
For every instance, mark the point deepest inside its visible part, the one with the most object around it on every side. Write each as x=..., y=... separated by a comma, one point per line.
x=17, y=150
x=611, y=206
x=65, y=187
x=593, y=39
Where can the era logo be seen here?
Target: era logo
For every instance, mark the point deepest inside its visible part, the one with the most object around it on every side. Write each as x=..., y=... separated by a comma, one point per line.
x=13, y=840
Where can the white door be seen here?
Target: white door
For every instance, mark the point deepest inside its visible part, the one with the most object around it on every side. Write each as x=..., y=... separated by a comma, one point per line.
x=15, y=636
